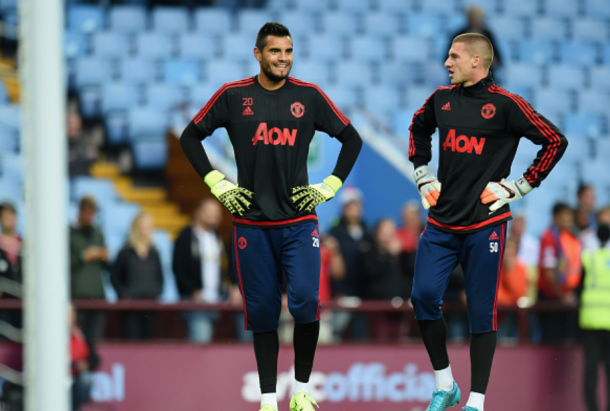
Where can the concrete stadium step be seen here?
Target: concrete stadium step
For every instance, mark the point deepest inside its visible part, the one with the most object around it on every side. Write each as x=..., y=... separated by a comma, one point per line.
x=102, y=169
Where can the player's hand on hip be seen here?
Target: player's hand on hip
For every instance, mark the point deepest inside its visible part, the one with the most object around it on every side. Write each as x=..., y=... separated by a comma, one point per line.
x=428, y=185
x=504, y=192
x=308, y=197
x=233, y=197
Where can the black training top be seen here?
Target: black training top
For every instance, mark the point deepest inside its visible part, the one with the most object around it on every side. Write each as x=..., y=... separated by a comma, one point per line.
x=480, y=127
x=271, y=132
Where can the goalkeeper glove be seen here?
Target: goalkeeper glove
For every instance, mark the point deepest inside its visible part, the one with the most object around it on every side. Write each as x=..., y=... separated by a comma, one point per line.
x=429, y=187
x=308, y=197
x=504, y=192
x=230, y=195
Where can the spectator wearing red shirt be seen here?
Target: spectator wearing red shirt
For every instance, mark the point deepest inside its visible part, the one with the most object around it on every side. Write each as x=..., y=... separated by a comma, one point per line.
x=559, y=274
x=412, y=227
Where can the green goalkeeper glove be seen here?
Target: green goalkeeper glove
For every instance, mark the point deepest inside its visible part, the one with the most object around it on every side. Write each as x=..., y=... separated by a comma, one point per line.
x=230, y=195
x=504, y=192
x=308, y=197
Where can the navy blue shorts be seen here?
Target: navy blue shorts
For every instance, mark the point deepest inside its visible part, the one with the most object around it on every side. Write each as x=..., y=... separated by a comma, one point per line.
x=260, y=257
x=479, y=253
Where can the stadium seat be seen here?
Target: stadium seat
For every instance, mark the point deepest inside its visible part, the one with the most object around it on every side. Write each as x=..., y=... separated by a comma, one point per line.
x=90, y=97
x=196, y=46
x=561, y=8
x=200, y=93
x=85, y=18
x=91, y=70
x=507, y=27
x=395, y=74
x=148, y=155
x=154, y=46
x=339, y=24
x=213, y=21
x=146, y=121
x=402, y=120
x=577, y=53
x=593, y=102
x=117, y=218
x=324, y=48
x=311, y=71
x=116, y=123
x=318, y=6
x=343, y=97
x=127, y=19
x=352, y=74
x=522, y=8
x=597, y=9
x=351, y=6
x=75, y=44
x=606, y=54
x=552, y=100
x=119, y=96
x=238, y=48
x=101, y=189
x=584, y=125
x=490, y=7
x=423, y=25
x=10, y=191
x=249, y=22
x=379, y=24
x=522, y=75
x=219, y=72
x=9, y=139
x=11, y=166
x=548, y=28
x=591, y=29
x=138, y=71
x=395, y=7
x=380, y=100
x=182, y=72
x=577, y=152
x=434, y=74
x=170, y=20
x=538, y=52
x=110, y=45
x=566, y=77
x=368, y=50
x=600, y=78
x=416, y=96
x=300, y=24
x=408, y=49
x=164, y=96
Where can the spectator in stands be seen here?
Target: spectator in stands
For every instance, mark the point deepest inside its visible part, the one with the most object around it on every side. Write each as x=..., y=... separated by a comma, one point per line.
x=527, y=244
x=80, y=154
x=412, y=227
x=476, y=24
x=88, y=257
x=10, y=261
x=385, y=278
x=594, y=316
x=351, y=233
x=588, y=237
x=559, y=274
x=514, y=282
x=84, y=360
x=137, y=274
x=332, y=268
x=584, y=215
x=200, y=265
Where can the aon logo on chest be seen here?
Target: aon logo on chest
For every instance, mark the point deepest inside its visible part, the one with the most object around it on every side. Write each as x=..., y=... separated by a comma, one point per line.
x=274, y=135
x=463, y=144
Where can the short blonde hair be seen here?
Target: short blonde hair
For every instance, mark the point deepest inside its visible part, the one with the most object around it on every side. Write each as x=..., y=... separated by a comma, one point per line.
x=477, y=45
x=135, y=239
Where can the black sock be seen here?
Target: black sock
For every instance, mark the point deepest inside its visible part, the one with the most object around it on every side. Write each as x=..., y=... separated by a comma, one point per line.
x=266, y=350
x=434, y=334
x=305, y=341
x=482, y=348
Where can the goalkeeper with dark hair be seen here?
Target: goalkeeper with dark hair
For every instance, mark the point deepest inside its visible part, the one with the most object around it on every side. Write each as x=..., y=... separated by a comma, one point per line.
x=271, y=119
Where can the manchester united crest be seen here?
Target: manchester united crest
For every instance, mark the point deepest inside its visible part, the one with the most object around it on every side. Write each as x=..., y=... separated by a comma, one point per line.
x=297, y=109
x=488, y=111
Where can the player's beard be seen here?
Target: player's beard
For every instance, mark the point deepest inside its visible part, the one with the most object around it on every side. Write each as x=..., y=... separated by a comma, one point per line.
x=266, y=68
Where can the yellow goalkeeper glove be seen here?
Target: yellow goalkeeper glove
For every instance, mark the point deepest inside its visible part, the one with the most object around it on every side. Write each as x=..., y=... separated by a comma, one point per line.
x=231, y=196
x=308, y=197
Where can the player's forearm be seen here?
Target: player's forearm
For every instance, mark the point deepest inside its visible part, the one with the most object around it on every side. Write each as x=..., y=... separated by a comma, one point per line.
x=350, y=149
x=190, y=140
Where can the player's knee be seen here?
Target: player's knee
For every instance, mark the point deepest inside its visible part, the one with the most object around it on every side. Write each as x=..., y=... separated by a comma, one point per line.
x=303, y=308
x=423, y=296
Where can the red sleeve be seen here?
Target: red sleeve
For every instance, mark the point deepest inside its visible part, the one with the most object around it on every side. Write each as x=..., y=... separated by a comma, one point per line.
x=527, y=122
x=421, y=130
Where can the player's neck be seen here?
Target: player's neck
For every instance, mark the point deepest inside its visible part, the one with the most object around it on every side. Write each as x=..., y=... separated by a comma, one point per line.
x=475, y=79
x=269, y=84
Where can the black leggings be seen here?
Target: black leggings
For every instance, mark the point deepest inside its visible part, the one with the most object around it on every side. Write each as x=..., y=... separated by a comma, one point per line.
x=596, y=345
